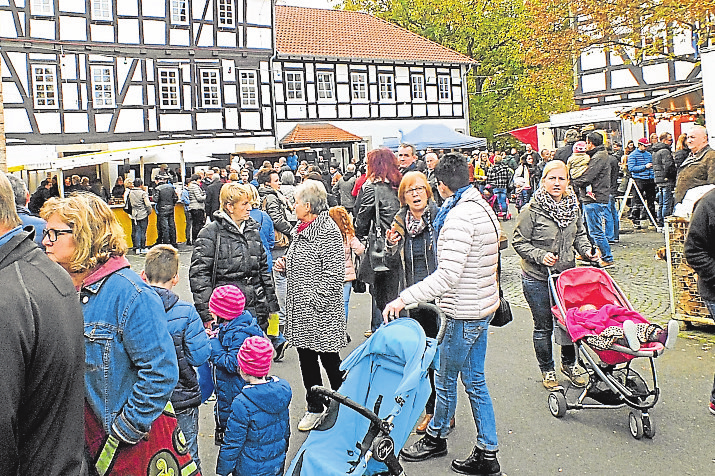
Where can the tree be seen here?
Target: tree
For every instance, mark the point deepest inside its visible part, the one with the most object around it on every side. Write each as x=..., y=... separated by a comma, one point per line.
x=506, y=90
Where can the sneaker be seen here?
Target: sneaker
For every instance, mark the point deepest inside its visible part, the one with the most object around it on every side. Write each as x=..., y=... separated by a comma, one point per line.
x=309, y=421
x=145, y=251
x=605, y=264
x=711, y=407
x=577, y=375
x=138, y=251
x=630, y=332
x=280, y=351
x=673, y=329
x=550, y=383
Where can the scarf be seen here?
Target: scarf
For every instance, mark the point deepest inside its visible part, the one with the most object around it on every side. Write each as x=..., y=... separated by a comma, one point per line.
x=562, y=212
x=303, y=225
x=448, y=204
x=414, y=226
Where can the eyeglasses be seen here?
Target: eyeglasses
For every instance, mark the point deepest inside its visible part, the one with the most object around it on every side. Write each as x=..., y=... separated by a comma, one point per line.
x=52, y=233
x=415, y=190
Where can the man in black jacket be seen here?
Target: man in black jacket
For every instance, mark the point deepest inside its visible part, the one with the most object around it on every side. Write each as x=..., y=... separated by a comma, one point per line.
x=664, y=172
x=700, y=254
x=564, y=152
x=165, y=198
x=42, y=352
x=596, y=182
x=213, y=193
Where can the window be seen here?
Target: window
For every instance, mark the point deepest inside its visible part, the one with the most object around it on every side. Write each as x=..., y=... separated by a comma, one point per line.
x=42, y=7
x=359, y=85
x=418, y=87
x=102, y=86
x=387, y=86
x=179, y=10
x=325, y=86
x=249, y=91
x=445, y=88
x=294, y=85
x=169, y=88
x=210, y=88
x=45, y=86
x=226, y=13
x=101, y=9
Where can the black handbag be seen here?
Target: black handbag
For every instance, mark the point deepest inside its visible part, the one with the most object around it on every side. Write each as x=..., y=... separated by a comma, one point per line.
x=358, y=285
x=503, y=315
x=376, y=241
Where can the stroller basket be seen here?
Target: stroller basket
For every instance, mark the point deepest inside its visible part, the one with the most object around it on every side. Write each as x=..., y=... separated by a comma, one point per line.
x=612, y=380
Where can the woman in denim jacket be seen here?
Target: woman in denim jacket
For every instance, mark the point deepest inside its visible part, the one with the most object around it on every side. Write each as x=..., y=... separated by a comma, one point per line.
x=131, y=368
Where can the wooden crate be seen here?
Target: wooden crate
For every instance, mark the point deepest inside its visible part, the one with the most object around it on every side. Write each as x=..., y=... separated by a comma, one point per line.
x=685, y=302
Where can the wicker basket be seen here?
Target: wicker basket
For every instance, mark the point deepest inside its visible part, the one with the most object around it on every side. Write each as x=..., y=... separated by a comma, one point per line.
x=685, y=302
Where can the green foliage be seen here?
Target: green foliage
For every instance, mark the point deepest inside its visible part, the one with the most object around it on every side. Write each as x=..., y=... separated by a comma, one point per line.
x=506, y=90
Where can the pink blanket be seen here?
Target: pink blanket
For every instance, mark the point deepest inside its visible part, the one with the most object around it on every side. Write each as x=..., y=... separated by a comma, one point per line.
x=592, y=322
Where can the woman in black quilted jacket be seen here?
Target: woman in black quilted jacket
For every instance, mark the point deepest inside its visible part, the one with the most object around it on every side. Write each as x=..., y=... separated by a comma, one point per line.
x=229, y=251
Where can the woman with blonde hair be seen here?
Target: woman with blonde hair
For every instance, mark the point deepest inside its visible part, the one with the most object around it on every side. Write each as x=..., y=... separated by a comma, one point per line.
x=229, y=250
x=351, y=245
x=131, y=368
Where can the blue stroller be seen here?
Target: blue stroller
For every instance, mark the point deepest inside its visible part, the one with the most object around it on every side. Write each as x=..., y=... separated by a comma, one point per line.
x=385, y=392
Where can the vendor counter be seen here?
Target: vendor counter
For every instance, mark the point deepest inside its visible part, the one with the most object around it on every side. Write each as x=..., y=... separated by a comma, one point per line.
x=151, y=234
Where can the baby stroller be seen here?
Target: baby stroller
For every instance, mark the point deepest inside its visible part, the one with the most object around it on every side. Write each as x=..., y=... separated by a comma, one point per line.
x=369, y=419
x=612, y=381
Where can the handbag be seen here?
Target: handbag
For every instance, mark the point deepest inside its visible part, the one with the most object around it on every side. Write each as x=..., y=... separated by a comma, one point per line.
x=128, y=206
x=376, y=241
x=358, y=285
x=503, y=315
x=281, y=240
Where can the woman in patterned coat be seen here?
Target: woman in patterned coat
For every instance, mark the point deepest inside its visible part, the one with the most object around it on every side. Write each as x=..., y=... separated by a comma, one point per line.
x=315, y=268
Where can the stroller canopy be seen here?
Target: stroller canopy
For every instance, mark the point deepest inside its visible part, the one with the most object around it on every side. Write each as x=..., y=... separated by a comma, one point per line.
x=393, y=363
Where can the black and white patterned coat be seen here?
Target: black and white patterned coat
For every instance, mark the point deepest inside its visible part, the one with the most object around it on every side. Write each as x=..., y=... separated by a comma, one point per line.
x=315, y=268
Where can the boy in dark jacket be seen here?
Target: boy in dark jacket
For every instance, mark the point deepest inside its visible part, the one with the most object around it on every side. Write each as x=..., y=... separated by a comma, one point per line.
x=259, y=426
x=234, y=326
x=161, y=271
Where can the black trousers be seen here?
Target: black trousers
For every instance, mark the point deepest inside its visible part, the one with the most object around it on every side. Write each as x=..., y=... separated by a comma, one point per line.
x=647, y=188
x=310, y=370
x=198, y=219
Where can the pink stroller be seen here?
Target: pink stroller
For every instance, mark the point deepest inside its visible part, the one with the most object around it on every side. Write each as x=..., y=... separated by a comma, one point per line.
x=612, y=381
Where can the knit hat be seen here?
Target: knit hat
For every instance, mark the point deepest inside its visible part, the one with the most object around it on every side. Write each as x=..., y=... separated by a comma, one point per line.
x=643, y=141
x=227, y=302
x=255, y=355
x=579, y=146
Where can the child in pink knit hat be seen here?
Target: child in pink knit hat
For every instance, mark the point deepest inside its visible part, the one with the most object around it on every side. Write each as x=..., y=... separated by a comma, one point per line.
x=258, y=430
x=235, y=325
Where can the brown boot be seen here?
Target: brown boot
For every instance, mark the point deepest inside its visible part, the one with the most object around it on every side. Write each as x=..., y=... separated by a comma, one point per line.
x=452, y=423
x=422, y=425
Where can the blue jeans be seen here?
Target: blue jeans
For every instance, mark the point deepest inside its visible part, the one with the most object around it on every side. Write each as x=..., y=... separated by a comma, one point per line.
x=463, y=351
x=665, y=202
x=502, y=206
x=347, y=287
x=166, y=229
x=595, y=216
x=139, y=233
x=613, y=226
x=536, y=294
x=189, y=423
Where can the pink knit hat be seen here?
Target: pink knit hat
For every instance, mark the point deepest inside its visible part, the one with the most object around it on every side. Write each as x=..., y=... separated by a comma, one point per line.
x=227, y=302
x=255, y=355
x=579, y=146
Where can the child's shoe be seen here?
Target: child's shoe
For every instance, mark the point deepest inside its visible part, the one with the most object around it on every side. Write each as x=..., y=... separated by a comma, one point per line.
x=669, y=336
x=309, y=421
x=630, y=332
x=218, y=436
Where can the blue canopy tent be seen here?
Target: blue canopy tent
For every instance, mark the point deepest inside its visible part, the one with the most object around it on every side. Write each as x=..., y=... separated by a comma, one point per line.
x=438, y=136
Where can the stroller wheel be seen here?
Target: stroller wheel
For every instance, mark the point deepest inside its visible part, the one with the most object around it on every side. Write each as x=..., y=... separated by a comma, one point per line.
x=648, y=426
x=557, y=404
x=635, y=424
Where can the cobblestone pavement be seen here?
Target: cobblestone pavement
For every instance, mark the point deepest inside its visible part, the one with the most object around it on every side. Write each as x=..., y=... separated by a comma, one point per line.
x=639, y=274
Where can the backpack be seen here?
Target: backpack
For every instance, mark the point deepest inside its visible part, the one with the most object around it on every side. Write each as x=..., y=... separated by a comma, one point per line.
x=185, y=196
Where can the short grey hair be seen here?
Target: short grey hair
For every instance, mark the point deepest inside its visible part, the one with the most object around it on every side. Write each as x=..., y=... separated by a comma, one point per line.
x=287, y=178
x=313, y=193
x=8, y=213
x=351, y=168
x=19, y=189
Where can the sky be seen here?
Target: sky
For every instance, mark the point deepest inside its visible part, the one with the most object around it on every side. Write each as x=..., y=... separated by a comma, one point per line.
x=309, y=3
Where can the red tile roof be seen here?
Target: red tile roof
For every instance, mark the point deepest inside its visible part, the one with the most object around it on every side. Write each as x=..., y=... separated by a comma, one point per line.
x=317, y=134
x=319, y=32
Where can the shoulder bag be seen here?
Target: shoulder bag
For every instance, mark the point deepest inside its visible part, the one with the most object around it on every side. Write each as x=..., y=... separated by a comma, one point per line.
x=281, y=239
x=503, y=315
x=358, y=285
x=376, y=240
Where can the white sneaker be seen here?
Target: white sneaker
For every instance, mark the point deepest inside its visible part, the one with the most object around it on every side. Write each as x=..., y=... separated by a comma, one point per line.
x=673, y=329
x=138, y=251
x=309, y=421
x=630, y=332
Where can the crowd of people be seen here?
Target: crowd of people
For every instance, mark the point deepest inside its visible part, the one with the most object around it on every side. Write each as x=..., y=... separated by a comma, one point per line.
x=273, y=265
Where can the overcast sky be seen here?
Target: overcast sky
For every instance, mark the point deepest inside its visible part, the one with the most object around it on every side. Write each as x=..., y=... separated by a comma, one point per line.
x=309, y=3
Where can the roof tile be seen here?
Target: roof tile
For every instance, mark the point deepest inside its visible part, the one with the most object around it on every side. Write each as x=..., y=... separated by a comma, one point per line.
x=304, y=31
x=318, y=133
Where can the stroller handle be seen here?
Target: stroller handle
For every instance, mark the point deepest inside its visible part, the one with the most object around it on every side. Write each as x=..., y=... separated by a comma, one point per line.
x=343, y=400
x=440, y=316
